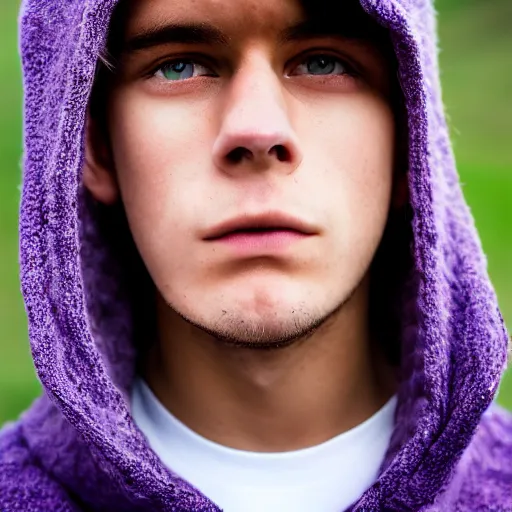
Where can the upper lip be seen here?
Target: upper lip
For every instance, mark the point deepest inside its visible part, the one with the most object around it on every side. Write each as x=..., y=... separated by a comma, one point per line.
x=277, y=220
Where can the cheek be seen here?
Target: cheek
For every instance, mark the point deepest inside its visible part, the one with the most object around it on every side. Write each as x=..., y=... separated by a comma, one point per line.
x=348, y=163
x=351, y=146
x=151, y=139
x=159, y=166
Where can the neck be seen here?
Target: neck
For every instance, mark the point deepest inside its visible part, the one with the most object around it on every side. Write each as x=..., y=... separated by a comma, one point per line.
x=271, y=400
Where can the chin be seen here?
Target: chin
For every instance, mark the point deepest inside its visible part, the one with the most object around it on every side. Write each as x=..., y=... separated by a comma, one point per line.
x=256, y=331
x=261, y=317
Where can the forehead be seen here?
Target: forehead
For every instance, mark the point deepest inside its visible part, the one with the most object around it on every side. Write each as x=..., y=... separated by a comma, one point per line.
x=226, y=13
x=249, y=18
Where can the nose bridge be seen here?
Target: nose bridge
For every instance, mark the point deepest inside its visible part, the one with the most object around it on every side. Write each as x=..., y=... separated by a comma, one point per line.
x=255, y=125
x=256, y=100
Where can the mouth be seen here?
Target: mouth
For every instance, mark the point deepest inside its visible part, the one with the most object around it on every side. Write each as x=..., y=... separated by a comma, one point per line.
x=261, y=225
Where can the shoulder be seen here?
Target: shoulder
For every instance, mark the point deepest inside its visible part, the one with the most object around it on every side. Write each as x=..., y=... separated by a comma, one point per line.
x=483, y=480
x=24, y=485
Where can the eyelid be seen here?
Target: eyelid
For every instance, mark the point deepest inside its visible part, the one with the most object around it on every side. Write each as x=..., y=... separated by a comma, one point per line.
x=195, y=58
x=160, y=71
x=352, y=68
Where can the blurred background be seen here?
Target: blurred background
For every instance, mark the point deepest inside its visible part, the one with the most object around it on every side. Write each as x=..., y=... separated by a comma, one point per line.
x=476, y=64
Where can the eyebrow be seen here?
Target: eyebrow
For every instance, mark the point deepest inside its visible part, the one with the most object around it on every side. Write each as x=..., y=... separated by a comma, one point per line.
x=203, y=33
x=188, y=33
x=343, y=28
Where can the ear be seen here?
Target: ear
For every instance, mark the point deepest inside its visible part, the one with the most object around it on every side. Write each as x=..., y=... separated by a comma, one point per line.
x=99, y=175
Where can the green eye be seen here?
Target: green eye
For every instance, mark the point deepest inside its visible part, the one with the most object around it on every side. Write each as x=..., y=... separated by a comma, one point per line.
x=322, y=65
x=181, y=70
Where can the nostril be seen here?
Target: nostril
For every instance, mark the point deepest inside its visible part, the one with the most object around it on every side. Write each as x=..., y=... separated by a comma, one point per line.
x=281, y=153
x=238, y=154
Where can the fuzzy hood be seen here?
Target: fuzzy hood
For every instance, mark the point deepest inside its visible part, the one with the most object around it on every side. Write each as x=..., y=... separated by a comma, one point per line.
x=80, y=435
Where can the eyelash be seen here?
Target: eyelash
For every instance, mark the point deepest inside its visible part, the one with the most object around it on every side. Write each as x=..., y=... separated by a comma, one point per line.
x=302, y=59
x=350, y=70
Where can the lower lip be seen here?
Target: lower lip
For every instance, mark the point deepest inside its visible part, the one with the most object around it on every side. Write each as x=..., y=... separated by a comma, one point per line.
x=262, y=241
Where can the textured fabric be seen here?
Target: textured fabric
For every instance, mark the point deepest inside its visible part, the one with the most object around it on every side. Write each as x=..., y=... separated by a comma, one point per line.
x=328, y=477
x=78, y=448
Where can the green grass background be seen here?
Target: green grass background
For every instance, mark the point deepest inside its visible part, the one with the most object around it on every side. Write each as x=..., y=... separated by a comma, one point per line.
x=475, y=43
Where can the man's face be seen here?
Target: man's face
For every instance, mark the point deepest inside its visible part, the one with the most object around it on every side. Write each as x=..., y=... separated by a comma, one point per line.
x=237, y=111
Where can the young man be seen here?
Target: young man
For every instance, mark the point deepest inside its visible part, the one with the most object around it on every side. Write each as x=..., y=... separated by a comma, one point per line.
x=251, y=279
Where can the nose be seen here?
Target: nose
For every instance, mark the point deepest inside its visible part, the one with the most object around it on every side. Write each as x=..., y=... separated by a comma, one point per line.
x=255, y=133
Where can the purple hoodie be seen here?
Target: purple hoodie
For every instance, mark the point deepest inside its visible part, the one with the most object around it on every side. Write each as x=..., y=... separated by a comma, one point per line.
x=78, y=449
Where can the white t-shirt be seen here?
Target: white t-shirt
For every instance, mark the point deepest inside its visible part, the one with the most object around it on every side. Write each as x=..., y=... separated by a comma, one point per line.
x=324, y=478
